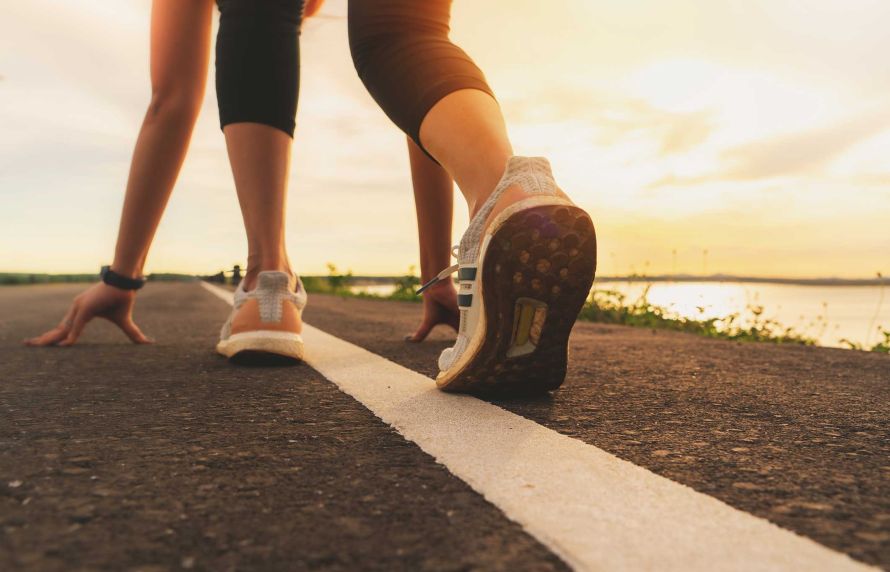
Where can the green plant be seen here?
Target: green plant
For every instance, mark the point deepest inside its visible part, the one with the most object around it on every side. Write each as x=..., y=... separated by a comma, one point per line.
x=338, y=283
x=406, y=286
x=611, y=307
x=883, y=347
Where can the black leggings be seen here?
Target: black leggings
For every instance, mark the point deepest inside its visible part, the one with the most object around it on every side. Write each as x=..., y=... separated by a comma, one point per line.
x=258, y=62
x=400, y=49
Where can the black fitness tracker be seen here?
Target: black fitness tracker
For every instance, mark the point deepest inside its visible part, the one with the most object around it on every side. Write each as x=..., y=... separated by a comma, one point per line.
x=112, y=278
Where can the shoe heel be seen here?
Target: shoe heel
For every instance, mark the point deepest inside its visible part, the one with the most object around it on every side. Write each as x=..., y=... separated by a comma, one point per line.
x=537, y=273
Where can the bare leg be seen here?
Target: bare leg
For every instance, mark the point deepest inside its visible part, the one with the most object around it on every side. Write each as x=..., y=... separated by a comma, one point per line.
x=433, y=199
x=180, y=51
x=466, y=133
x=260, y=158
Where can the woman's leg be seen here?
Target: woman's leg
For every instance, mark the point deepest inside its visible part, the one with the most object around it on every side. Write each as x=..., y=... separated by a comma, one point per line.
x=260, y=159
x=466, y=133
x=432, y=90
x=257, y=80
x=537, y=258
x=180, y=52
x=434, y=202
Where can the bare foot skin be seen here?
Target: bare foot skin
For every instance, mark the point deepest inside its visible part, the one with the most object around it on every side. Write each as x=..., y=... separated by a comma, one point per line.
x=439, y=307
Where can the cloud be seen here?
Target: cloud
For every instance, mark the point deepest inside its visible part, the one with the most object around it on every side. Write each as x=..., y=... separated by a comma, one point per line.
x=614, y=118
x=800, y=153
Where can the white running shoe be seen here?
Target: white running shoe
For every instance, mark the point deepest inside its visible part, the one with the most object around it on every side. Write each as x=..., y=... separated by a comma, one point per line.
x=266, y=323
x=523, y=281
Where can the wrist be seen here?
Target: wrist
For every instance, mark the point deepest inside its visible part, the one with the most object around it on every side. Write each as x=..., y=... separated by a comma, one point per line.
x=132, y=271
x=120, y=281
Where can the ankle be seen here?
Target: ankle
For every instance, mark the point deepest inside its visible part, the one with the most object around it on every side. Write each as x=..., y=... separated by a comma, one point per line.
x=480, y=184
x=253, y=272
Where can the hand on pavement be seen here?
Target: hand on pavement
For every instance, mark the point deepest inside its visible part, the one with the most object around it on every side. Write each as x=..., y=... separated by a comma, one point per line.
x=99, y=300
x=439, y=307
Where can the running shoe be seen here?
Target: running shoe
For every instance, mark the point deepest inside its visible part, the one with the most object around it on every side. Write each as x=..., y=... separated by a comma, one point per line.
x=523, y=281
x=265, y=324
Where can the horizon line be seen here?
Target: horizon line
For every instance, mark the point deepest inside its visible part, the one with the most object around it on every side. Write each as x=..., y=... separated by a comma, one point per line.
x=879, y=280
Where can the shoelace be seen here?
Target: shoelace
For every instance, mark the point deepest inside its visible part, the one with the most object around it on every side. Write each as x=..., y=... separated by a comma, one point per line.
x=445, y=273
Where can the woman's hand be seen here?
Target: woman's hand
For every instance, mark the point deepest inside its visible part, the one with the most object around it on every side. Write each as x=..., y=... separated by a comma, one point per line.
x=439, y=307
x=99, y=300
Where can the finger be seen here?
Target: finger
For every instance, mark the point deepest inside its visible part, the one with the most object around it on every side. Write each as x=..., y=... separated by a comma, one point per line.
x=421, y=333
x=69, y=317
x=133, y=332
x=48, y=338
x=77, y=326
x=54, y=335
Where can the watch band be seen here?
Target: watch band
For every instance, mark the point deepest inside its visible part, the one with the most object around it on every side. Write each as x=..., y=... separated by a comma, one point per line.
x=112, y=278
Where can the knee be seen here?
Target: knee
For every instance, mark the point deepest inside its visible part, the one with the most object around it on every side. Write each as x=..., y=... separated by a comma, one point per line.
x=181, y=104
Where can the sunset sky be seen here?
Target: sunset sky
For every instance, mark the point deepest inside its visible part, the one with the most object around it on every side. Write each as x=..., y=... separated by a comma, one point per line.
x=757, y=130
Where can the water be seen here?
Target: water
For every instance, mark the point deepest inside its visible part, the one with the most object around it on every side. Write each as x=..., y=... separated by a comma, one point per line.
x=825, y=313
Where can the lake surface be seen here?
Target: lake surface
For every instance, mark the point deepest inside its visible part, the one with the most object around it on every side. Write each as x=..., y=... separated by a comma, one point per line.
x=826, y=313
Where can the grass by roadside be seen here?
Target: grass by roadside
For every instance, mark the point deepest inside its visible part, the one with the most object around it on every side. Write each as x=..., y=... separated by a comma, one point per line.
x=21, y=278
x=340, y=284
x=612, y=307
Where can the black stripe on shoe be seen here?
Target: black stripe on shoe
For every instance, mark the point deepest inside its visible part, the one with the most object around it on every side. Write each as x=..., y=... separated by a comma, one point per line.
x=468, y=273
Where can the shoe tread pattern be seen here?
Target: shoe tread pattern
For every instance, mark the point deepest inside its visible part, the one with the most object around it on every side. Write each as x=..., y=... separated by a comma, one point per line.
x=548, y=254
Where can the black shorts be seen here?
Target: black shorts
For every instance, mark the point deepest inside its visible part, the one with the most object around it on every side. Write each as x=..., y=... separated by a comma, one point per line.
x=400, y=48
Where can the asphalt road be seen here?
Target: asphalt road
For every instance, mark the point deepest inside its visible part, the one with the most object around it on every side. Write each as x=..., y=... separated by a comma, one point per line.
x=116, y=456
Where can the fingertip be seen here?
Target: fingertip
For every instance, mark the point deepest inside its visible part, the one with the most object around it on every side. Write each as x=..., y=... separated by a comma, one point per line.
x=419, y=335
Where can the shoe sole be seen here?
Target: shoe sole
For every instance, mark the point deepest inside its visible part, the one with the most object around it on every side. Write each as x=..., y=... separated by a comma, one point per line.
x=537, y=271
x=262, y=347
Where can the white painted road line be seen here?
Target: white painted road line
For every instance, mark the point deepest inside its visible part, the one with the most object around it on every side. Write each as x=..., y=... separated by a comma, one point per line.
x=594, y=510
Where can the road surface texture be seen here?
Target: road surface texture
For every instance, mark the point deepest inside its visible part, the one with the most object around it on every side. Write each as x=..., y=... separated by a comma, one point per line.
x=166, y=457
